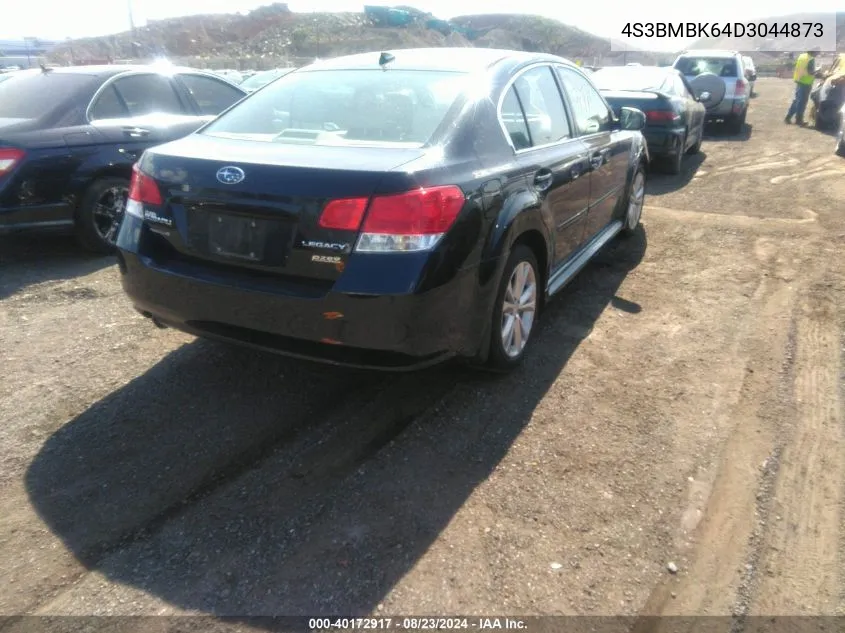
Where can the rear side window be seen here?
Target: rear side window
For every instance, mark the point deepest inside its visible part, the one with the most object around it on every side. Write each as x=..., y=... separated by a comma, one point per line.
x=212, y=96
x=720, y=66
x=40, y=95
x=543, y=106
x=108, y=106
x=513, y=119
x=345, y=107
x=148, y=94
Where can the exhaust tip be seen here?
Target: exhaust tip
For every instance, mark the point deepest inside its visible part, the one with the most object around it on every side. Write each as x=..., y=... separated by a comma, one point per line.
x=149, y=315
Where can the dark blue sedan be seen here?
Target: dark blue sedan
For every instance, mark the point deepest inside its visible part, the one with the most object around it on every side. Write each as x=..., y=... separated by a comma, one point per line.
x=385, y=210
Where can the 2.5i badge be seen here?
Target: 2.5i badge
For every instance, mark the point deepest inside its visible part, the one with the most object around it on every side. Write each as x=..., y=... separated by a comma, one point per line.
x=326, y=259
x=152, y=216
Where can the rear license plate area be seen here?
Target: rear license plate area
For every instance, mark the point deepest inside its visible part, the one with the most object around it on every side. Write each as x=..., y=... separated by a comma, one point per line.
x=234, y=237
x=237, y=237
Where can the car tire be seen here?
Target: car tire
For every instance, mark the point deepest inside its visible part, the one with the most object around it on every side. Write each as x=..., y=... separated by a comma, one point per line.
x=697, y=147
x=675, y=163
x=634, y=201
x=100, y=214
x=521, y=273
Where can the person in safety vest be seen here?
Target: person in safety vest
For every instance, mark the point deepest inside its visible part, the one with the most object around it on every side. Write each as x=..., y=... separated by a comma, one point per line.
x=804, y=75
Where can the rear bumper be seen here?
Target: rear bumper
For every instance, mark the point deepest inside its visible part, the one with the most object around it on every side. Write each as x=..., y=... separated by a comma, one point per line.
x=390, y=332
x=35, y=217
x=726, y=109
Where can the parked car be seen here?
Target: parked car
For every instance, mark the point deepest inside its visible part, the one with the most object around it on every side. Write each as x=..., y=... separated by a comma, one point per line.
x=718, y=80
x=235, y=76
x=385, y=210
x=827, y=97
x=66, y=161
x=261, y=79
x=750, y=73
x=675, y=118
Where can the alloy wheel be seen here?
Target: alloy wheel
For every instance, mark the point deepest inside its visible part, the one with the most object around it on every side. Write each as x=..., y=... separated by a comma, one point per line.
x=519, y=308
x=108, y=212
x=635, y=202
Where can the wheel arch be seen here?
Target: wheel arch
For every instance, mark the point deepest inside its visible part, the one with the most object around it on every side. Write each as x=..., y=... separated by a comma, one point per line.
x=520, y=221
x=102, y=173
x=534, y=240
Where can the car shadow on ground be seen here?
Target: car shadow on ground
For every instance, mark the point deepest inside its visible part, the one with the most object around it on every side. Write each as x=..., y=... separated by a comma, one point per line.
x=241, y=484
x=660, y=183
x=27, y=259
x=719, y=132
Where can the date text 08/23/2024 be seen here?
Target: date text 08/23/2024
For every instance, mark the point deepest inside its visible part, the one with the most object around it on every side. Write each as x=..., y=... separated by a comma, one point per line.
x=793, y=30
x=316, y=625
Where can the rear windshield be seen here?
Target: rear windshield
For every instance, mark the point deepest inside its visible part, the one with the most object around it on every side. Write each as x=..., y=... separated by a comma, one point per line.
x=37, y=95
x=720, y=66
x=629, y=78
x=345, y=107
x=262, y=79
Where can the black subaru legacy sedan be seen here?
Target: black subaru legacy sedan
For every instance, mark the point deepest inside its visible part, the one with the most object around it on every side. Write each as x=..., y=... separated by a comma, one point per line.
x=385, y=210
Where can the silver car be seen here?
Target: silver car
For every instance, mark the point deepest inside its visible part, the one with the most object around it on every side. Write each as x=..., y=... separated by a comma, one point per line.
x=720, y=83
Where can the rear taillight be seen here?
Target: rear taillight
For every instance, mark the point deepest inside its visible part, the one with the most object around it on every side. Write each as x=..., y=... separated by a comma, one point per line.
x=143, y=189
x=740, y=88
x=344, y=215
x=661, y=116
x=9, y=157
x=410, y=221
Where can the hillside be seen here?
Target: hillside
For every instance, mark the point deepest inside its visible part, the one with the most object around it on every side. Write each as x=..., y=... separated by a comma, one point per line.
x=274, y=32
x=772, y=45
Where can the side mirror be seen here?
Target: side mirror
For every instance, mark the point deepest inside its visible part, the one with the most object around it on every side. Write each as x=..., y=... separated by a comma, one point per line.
x=632, y=119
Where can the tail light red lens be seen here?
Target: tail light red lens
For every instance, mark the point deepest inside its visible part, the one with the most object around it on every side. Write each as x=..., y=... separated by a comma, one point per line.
x=344, y=215
x=740, y=88
x=410, y=221
x=421, y=212
x=661, y=116
x=9, y=158
x=143, y=188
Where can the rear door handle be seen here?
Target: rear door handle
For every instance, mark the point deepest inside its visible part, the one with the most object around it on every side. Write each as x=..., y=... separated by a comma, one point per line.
x=543, y=179
x=598, y=159
x=136, y=132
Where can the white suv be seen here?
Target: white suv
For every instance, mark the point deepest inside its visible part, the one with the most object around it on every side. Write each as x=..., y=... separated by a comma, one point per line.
x=720, y=83
x=750, y=73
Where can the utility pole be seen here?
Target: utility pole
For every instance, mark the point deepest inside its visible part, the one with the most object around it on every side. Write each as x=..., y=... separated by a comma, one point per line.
x=131, y=16
x=29, y=41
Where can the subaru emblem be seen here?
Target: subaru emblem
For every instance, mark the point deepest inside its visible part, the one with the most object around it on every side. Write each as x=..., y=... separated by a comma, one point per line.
x=230, y=175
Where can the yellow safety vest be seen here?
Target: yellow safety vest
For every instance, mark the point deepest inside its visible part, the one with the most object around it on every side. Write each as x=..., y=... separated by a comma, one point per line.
x=801, y=75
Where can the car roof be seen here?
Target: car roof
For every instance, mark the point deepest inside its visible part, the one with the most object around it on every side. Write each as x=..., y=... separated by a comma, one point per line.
x=639, y=69
x=462, y=59
x=109, y=70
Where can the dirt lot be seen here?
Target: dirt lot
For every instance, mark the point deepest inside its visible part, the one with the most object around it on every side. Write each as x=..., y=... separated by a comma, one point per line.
x=683, y=404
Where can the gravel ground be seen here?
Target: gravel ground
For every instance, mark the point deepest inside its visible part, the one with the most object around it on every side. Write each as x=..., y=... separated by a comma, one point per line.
x=674, y=444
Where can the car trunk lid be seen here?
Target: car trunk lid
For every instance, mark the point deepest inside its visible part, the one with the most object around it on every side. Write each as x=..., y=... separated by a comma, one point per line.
x=253, y=205
x=658, y=107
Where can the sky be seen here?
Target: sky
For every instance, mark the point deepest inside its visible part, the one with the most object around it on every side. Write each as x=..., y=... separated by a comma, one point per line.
x=58, y=19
